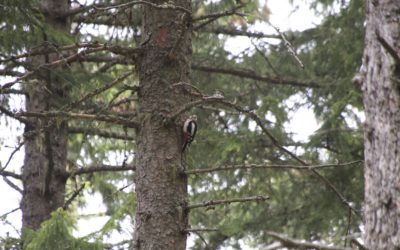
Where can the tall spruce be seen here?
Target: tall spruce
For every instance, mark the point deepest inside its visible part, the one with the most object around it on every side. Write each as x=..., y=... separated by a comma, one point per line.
x=43, y=174
x=161, y=186
x=381, y=88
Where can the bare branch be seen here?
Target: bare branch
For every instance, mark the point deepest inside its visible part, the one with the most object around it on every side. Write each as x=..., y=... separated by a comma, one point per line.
x=81, y=54
x=106, y=19
x=47, y=48
x=12, y=185
x=10, y=174
x=300, y=244
x=233, y=32
x=358, y=244
x=17, y=80
x=94, y=117
x=212, y=203
x=74, y=195
x=12, y=155
x=389, y=48
x=197, y=232
x=252, y=75
x=289, y=47
x=122, y=101
x=216, y=15
x=117, y=245
x=102, y=168
x=12, y=115
x=190, y=105
x=279, y=167
x=106, y=59
x=7, y=72
x=263, y=55
x=12, y=91
x=100, y=132
x=9, y=212
x=212, y=17
x=165, y=5
x=191, y=230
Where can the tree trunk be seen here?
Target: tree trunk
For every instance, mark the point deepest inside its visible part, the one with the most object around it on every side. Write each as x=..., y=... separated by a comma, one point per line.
x=45, y=160
x=381, y=89
x=161, y=189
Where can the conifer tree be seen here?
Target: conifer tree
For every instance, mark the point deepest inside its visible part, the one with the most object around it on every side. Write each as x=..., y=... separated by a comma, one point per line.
x=122, y=91
x=45, y=141
x=380, y=76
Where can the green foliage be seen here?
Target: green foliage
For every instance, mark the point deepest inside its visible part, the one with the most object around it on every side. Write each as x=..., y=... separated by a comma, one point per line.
x=300, y=205
x=23, y=26
x=56, y=233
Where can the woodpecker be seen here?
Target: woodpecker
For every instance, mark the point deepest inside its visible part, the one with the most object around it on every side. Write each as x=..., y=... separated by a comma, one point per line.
x=189, y=131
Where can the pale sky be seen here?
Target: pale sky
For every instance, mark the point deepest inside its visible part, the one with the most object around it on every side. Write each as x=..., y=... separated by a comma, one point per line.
x=303, y=121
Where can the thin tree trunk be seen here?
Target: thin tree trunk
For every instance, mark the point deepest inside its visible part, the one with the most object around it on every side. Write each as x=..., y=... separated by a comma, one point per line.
x=44, y=168
x=160, y=188
x=381, y=90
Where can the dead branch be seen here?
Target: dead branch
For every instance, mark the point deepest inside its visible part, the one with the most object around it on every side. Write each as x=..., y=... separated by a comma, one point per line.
x=263, y=55
x=17, y=80
x=197, y=232
x=106, y=59
x=12, y=115
x=7, y=72
x=300, y=244
x=12, y=185
x=252, y=75
x=118, y=245
x=196, y=92
x=191, y=230
x=289, y=46
x=74, y=195
x=216, y=15
x=388, y=47
x=102, y=168
x=212, y=17
x=12, y=92
x=100, y=132
x=166, y=5
x=213, y=203
x=358, y=244
x=233, y=32
x=10, y=174
x=93, y=117
x=263, y=166
x=205, y=99
x=20, y=144
x=122, y=101
x=48, y=48
x=3, y=216
x=72, y=58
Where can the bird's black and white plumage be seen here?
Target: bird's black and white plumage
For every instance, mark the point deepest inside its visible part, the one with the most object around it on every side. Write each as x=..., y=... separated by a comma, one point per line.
x=189, y=131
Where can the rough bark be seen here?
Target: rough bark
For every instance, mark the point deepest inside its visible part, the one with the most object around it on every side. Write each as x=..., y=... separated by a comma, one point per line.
x=43, y=174
x=161, y=189
x=381, y=89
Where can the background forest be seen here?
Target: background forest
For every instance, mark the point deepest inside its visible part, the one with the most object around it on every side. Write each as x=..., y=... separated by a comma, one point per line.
x=69, y=82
